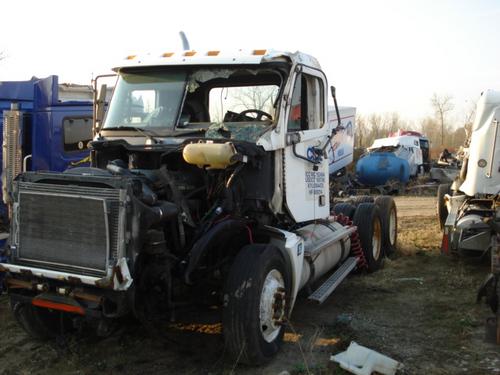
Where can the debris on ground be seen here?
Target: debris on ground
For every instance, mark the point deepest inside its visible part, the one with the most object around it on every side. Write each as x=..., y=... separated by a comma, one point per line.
x=361, y=360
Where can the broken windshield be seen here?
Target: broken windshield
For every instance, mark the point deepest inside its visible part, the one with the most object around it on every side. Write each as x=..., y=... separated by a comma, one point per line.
x=228, y=102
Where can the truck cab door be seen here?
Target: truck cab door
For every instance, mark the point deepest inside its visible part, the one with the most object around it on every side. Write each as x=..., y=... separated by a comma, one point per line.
x=305, y=167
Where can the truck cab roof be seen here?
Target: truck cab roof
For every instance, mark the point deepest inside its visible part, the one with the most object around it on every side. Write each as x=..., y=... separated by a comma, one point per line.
x=217, y=57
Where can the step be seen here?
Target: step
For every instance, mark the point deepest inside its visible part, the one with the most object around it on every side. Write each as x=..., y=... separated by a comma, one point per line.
x=327, y=288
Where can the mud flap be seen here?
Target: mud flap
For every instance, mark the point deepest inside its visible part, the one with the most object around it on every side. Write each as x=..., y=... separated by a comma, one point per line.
x=445, y=244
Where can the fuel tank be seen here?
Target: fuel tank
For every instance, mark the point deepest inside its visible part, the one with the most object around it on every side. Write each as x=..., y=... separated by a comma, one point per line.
x=325, y=246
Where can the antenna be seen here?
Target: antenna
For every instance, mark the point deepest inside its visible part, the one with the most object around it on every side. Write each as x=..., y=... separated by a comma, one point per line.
x=185, y=42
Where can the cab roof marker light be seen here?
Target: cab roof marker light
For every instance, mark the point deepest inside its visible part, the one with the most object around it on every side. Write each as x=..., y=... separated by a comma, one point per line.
x=189, y=53
x=259, y=52
x=131, y=57
x=213, y=53
x=168, y=54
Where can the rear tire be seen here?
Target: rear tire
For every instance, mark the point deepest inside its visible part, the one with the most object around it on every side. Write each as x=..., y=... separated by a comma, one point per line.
x=39, y=323
x=389, y=219
x=362, y=199
x=367, y=219
x=441, y=210
x=252, y=324
x=345, y=209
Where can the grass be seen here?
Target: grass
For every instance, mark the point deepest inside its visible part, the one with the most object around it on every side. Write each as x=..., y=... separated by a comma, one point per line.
x=420, y=235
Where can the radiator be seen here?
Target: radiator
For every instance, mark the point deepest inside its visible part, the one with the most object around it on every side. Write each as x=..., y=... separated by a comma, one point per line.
x=68, y=228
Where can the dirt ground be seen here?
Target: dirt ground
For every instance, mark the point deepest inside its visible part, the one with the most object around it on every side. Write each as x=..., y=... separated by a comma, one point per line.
x=420, y=310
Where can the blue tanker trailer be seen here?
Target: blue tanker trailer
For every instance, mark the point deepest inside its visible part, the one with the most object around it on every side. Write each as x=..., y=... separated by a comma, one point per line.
x=394, y=159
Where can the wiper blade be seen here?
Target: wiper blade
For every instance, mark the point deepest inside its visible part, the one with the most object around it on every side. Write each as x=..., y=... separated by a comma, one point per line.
x=150, y=134
x=178, y=133
x=145, y=132
x=127, y=127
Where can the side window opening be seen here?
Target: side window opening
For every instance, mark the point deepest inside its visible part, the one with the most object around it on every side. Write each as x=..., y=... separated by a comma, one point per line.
x=77, y=132
x=306, y=105
x=242, y=103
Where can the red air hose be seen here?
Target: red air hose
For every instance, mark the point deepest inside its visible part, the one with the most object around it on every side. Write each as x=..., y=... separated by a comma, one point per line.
x=356, y=249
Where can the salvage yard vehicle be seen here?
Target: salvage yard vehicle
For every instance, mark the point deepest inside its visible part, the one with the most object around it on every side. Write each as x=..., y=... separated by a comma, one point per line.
x=209, y=186
x=45, y=126
x=469, y=210
x=398, y=157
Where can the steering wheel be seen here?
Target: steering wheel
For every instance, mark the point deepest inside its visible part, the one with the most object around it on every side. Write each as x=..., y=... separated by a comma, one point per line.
x=260, y=114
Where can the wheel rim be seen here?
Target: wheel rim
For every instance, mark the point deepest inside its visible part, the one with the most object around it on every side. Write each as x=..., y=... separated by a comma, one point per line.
x=272, y=305
x=376, y=239
x=392, y=227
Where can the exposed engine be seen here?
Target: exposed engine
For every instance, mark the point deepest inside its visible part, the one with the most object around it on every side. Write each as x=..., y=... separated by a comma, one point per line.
x=165, y=216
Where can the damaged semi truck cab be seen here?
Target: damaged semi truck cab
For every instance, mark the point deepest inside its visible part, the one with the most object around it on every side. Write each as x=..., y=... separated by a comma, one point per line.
x=469, y=207
x=209, y=186
x=469, y=210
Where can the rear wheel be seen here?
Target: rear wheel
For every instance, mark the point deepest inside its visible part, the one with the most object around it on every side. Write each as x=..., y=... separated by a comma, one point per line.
x=256, y=304
x=39, y=323
x=442, y=211
x=367, y=219
x=345, y=209
x=389, y=220
x=362, y=199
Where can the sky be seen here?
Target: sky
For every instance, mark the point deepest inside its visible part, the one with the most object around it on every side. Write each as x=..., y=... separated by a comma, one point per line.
x=382, y=56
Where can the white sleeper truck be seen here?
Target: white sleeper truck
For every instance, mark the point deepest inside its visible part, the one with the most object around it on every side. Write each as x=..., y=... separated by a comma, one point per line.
x=208, y=188
x=469, y=209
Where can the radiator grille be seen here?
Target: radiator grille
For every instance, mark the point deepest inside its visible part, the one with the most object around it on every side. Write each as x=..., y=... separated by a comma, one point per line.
x=69, y=228
x=11, y=150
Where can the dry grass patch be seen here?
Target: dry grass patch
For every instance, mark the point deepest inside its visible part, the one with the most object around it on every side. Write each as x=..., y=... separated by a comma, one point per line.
x=417, y=234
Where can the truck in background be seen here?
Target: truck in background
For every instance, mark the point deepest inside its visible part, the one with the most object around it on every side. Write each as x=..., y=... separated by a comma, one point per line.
x=44, y=126
x=469, y=209
x=397, y=158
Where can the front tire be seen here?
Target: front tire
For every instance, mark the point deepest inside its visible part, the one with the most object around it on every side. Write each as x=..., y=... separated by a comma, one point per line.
x=41, y=324
x=256, y=304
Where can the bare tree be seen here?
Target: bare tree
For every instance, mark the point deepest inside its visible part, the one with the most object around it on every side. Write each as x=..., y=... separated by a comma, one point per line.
x=360, y=130
x=442, y=104
x=376, y=126
x=470, y=113
x=255, y=97
x=430, y=127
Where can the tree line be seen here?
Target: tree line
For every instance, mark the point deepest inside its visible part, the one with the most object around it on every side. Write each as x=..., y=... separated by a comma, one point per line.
x=442, y=130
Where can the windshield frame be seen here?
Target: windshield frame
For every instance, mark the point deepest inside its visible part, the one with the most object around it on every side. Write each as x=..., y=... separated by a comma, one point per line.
x=281, y=69
x=158, y=130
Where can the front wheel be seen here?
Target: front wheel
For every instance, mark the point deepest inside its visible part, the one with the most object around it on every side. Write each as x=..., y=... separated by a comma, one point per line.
x=256, y=303
x=39, y=323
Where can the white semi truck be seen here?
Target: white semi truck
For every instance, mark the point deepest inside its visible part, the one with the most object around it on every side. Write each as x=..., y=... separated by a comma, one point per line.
x=209, y=186
x=469, y=209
